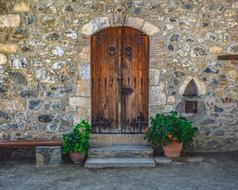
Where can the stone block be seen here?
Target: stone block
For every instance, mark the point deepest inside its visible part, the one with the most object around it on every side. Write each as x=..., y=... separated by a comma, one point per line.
x=190, y=159
x=48, y=155
x=195, y=159
x=81, y=105
x=154, y=76
x=135, y=22
x=215, y=50
x=83, y=88
x=157, y=96
x=150, y=29
x=3, y=59
x=18, y=62
x=120, y=163
x=163, y=160
x=10, y=20
x=120, y=151
x=233, y=49
x=84, y=54
x=235, y=5
x=84, y=71
x=102, y=22
x=22, y=7
x=171, y=100
x=9, y=48
x=89, y=28
x=79, y=101
x=12, y=105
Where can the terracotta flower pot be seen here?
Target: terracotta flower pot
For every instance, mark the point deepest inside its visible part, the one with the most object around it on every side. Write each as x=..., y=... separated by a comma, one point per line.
x=77, y=157
x=173, y=149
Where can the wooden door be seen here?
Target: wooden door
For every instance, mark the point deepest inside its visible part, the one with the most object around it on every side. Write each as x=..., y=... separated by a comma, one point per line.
x=119, y=70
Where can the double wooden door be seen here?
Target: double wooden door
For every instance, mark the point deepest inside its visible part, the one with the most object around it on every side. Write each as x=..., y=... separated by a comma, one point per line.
x=119, y=80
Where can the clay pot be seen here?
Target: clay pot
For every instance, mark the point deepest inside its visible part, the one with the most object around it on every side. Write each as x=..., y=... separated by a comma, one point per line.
x=173, y=150
x=77, y=157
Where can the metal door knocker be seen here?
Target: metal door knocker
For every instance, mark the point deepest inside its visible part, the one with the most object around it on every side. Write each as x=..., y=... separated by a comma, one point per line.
x=112, y=50
x=129, y=52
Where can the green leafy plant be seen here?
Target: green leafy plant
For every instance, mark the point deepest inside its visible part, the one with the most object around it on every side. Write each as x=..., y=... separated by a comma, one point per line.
x=165, y=128
x=78, y=139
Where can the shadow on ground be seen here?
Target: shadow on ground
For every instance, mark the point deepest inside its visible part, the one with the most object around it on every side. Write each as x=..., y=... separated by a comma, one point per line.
x=217, y=172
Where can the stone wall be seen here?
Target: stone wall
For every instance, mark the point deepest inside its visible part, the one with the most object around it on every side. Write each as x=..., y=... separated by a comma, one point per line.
x=45, y=63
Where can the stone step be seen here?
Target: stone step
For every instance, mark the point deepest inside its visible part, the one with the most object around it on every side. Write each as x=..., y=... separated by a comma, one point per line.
x=115, y=151
x=119, y=162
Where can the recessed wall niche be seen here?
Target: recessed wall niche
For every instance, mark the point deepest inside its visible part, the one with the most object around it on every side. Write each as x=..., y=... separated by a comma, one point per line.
x=192, y=104
x=190, y=94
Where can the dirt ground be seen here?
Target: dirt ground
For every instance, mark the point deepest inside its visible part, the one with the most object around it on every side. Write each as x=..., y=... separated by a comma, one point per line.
x=216, y=172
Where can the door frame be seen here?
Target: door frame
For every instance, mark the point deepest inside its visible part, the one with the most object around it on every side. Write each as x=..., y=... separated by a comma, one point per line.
x=148, y=75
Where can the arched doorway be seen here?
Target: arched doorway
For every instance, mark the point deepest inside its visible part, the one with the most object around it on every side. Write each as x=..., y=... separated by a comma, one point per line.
x=119, y=80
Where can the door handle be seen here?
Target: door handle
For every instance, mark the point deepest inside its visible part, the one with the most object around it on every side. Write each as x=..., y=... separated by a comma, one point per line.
x=112, y=50
x=129, y=52
x=126, y=90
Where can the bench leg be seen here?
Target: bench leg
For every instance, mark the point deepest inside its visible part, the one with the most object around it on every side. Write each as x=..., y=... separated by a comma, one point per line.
x=48, y=155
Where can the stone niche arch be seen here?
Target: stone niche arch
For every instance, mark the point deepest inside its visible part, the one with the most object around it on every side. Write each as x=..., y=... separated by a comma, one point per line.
x=191, y=104
x=201, y=88
x=191, y=89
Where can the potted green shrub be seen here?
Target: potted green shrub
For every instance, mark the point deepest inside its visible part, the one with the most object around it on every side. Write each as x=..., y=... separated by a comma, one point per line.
x=76, y=143
x=171, y=131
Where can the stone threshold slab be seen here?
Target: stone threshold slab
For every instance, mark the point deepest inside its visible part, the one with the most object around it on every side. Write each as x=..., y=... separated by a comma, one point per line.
x=119, y=162
x=120, y=151
x=166, y=161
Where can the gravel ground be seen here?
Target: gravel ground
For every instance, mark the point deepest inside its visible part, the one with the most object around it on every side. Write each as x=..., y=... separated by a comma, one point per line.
x=216, y=172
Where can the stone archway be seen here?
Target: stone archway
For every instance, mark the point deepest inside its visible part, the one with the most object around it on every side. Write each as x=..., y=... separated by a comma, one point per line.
x=100, y=23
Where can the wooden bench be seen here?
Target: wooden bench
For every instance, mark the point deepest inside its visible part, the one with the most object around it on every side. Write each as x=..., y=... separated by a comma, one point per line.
x=48, y=152
x=32, y=143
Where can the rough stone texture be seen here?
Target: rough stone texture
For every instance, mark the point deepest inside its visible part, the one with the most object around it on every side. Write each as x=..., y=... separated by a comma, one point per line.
x=11, y=20
x=21, y=7
x=116, y=151
x=149, y=28
x=48, y=52
x=135, y=22
x=195, y=159
x=183, y=159
x=9, y=48
x=119, y=163
x=163, y=160
x=3, y=59
x=12, y=105
x=48, y=155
